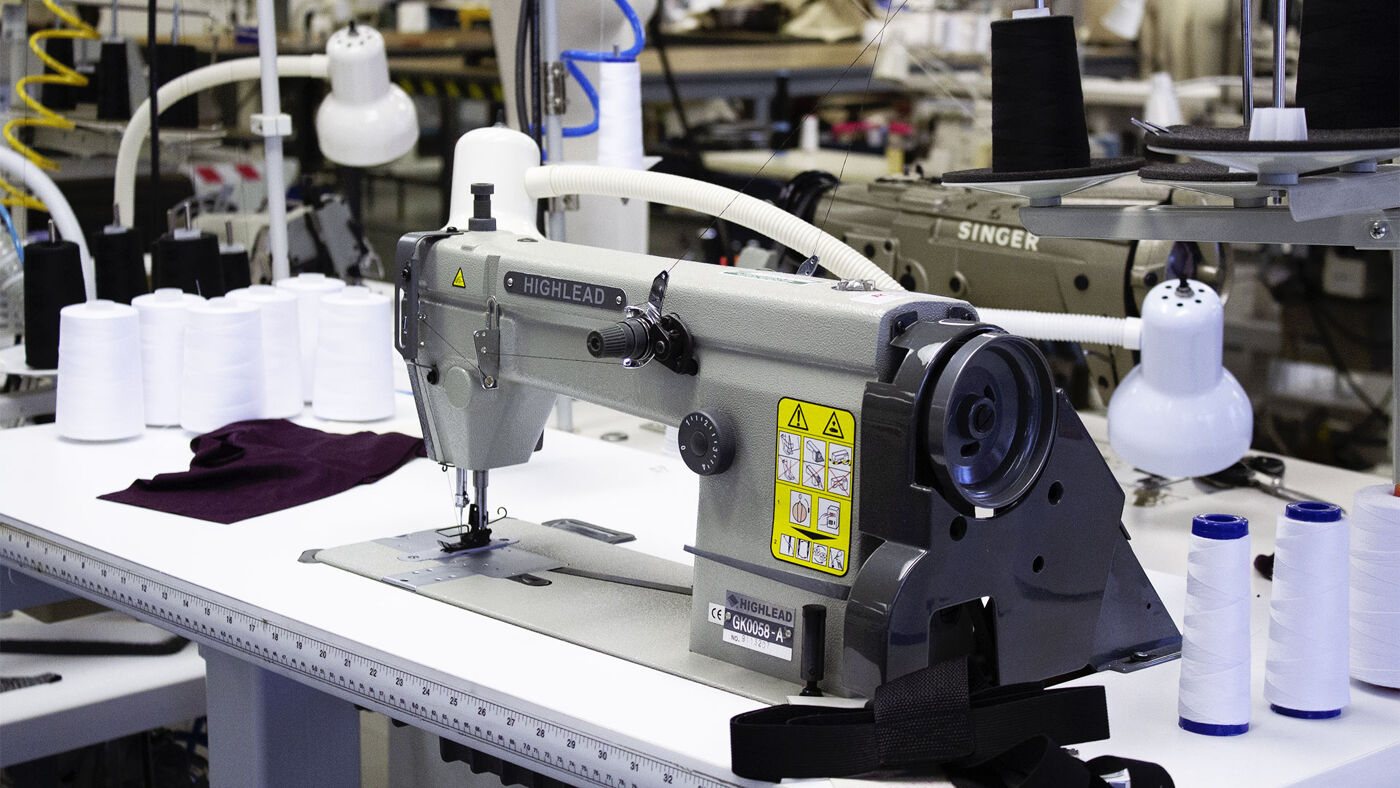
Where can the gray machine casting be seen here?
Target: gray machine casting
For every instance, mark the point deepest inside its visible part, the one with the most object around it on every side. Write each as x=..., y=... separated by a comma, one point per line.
x=884, y=456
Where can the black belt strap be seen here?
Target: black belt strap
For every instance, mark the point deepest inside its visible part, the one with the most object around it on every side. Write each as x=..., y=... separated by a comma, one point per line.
x=1141, y=774
x=925, y=718
x=1040, y=763
x=93, y=648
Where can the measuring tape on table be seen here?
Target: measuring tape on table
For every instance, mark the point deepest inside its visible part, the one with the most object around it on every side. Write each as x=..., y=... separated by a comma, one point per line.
x=309, y=656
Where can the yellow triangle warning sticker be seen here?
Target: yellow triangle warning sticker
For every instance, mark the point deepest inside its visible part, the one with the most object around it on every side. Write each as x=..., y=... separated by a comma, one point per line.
x=798, y=421
x=458, y=281
x=833, y=428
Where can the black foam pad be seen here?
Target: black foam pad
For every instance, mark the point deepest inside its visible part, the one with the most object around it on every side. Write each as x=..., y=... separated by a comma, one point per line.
x=1195, y=172
x=1236, y=139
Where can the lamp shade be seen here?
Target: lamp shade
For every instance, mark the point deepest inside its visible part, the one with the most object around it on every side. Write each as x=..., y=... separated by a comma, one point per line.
x=366, y=120
x=501, y=157
x=1180, y=412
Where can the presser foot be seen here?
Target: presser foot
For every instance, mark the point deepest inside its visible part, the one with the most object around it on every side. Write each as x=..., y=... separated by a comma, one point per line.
x=471, y=536
x=468, y=539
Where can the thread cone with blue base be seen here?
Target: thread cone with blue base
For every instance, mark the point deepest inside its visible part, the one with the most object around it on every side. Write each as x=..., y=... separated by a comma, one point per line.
x=1308, y=614
x=1215, y=664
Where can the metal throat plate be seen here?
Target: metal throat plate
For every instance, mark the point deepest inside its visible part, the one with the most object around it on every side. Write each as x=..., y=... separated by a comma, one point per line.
x=605, y=597
x=500, y=559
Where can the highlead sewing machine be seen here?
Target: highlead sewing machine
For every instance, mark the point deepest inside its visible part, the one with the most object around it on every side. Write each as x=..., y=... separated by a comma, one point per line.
x=884, y=481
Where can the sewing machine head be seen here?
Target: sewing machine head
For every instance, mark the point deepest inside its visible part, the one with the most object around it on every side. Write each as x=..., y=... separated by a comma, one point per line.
x=881, y=455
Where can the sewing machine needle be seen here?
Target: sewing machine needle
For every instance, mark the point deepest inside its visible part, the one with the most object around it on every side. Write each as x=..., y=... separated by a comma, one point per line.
x=460, y=497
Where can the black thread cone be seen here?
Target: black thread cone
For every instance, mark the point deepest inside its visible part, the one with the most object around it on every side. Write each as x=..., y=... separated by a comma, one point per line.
x=114, y=83
x=121, y=267
x=189, y=263
x=233, y=261
x=177, y=60
x=1349, y=64
x=58, y=97
x=53, y=279
x=1037, y=101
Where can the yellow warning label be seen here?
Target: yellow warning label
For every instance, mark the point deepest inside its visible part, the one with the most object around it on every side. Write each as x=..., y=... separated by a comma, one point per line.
x=797, y=421
x=458, y=281
x=833, y=428
x=814, y=486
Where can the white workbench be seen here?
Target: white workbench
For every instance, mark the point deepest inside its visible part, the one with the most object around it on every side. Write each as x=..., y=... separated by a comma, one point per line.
x=48, y=506
x=1363, y=748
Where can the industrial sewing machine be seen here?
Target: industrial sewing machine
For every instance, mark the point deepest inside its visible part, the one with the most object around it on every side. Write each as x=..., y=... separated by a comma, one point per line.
x=883, y=479
x=967, y=244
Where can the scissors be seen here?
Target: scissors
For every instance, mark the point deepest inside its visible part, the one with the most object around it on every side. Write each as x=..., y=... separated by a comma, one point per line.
x=1261, y=473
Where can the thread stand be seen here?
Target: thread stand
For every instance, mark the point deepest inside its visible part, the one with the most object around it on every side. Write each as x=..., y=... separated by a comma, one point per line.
x=1242, y=188
x=1278, y=162
x=1358, y=205
x=1282, y=143
x=12, y=363
x=1044, y=192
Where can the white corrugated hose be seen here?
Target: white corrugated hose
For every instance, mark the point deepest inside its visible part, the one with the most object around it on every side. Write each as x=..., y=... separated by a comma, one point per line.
x=802, y=237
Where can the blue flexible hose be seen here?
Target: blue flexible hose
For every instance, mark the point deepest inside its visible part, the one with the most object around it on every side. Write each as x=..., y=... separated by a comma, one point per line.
x=14, y=236
x=569, y=56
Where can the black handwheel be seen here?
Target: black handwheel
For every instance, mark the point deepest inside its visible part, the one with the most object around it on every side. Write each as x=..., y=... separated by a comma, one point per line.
x=991, y=419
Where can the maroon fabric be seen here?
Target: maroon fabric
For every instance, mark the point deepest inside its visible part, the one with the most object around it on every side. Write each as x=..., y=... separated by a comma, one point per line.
x=250, y=468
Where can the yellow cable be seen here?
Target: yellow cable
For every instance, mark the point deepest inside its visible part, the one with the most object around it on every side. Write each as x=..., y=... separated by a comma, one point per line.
x=78, y=29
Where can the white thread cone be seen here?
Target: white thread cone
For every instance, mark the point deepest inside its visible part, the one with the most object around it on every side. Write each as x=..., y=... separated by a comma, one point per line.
x=620, y=115
x=1306, y=674
x=99, y=394
x=1375, y=586
x=163, y=317
x=309, y=288
x=1163, y=108
x=1214, y=688
x=222, y=380
x=354, y=357
x=281, y=348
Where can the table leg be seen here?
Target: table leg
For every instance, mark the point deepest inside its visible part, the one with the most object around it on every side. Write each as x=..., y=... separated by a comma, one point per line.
x=267, y=731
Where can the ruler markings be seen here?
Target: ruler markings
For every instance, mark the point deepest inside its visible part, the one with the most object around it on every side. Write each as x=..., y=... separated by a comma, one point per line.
x=479, y=721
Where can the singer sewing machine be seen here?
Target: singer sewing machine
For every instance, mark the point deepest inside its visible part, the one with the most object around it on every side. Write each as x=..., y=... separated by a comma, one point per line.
x=969, y=244
x=883, y=479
